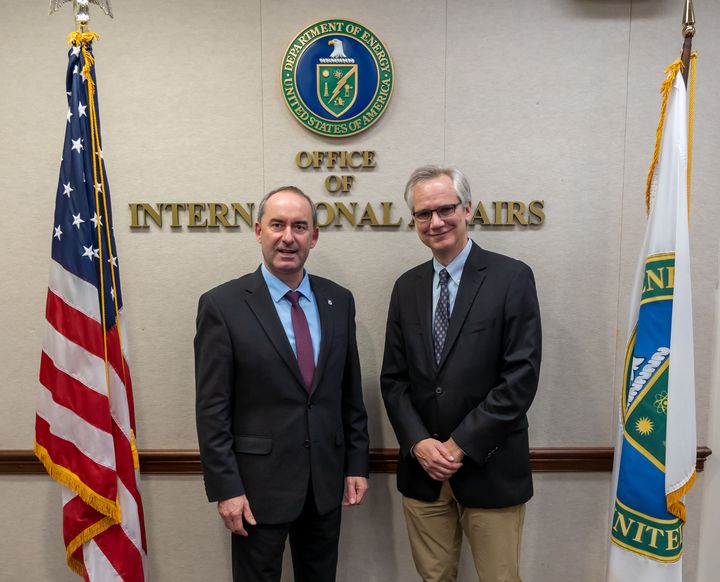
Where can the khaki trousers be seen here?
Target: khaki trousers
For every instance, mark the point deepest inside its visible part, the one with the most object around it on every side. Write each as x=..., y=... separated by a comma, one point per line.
x=435, y=530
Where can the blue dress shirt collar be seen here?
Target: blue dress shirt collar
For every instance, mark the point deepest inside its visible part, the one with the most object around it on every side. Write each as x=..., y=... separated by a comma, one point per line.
x=278, y=289
x=456, y=266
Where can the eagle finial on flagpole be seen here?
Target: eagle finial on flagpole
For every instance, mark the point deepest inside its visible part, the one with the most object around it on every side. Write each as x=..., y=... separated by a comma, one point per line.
x=81, y=9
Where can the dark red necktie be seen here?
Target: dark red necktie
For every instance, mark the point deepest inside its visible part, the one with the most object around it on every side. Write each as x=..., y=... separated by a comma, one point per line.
x=303, y=341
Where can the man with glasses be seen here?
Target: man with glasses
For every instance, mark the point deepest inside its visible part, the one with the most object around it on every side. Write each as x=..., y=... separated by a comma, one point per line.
x=460, y=370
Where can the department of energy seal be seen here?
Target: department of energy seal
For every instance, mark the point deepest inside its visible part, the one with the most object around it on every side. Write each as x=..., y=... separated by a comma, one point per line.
x=337, y=78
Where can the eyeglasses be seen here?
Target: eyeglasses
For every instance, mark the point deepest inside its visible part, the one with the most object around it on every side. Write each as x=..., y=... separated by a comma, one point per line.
x=442, y=211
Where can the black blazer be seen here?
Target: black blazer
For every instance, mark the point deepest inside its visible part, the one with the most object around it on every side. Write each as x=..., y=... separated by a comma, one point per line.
x=259, y=432
x=483, y=387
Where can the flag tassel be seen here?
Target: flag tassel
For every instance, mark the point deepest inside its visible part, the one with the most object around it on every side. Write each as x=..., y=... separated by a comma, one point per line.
x=85, y=536
x=670, y=73
x=674, y=499
x=67, y=478
x=691, y=119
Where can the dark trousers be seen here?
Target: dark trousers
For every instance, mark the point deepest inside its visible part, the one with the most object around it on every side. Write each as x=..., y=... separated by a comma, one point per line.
x=313, y=543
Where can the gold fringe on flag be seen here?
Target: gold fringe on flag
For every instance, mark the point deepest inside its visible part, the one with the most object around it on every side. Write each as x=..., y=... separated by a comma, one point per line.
x=73, y=482
x=671, y=72
x=85, y=536
x=674, y=498
x=80, y=38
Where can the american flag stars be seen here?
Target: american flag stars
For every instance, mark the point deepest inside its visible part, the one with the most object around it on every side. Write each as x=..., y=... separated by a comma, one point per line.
x=88, y=252
x=76, y=242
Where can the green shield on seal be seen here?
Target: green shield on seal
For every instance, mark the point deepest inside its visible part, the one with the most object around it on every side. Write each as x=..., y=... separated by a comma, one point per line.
x=337, y=87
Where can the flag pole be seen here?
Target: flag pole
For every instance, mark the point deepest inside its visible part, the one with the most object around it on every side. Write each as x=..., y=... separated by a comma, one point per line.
x=688, y=31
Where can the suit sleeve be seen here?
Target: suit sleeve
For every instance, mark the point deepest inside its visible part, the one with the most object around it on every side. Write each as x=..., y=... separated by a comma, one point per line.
x=395, y=383
x=214, y=382
x=354, y=417
x=486, y=427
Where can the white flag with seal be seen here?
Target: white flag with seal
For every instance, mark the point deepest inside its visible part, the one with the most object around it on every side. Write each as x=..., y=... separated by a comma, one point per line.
x=655, y=453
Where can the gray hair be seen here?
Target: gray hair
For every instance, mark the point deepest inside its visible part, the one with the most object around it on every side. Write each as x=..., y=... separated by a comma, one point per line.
x=424, y=173
x=295, y=190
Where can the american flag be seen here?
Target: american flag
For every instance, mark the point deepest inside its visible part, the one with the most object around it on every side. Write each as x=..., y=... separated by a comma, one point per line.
x=85, y=423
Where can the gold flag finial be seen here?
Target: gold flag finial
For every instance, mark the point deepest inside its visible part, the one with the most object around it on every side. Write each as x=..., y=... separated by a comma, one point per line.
x=688, y=28
x=81, y=9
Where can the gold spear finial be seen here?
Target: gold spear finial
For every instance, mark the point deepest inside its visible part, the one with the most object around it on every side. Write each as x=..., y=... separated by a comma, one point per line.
x=688, y=31
x=81, y=9
x=688, y=28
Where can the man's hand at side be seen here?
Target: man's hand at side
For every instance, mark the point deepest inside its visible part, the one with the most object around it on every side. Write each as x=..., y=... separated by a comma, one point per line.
x=436, y=458
x=233, y=511
x=355, y=488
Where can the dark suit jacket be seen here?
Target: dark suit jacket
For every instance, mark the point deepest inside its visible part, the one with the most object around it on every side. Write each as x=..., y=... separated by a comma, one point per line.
x=483, y=387
x=259, y=432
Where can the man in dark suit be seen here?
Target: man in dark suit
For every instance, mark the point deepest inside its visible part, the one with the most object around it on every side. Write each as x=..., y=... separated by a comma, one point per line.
x=280, y=416
x=461, y=365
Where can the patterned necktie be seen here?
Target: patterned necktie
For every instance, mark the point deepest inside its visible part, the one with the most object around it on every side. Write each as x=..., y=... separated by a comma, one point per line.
x=303, y=341
x=442, y=316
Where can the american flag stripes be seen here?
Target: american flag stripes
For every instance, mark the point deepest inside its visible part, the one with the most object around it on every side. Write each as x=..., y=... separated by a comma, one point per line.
x=85, y=424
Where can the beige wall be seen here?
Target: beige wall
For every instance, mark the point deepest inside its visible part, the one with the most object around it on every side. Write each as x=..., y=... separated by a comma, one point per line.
x=535, y=99
x=709, y=563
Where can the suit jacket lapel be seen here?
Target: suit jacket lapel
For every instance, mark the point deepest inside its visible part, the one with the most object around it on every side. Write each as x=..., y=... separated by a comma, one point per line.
x=327, y=318
x=424, y=307
x=259, y=300
x=472, y=279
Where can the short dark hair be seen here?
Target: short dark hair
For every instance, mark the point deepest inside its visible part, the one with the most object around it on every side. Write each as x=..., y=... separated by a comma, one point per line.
x=295, y=190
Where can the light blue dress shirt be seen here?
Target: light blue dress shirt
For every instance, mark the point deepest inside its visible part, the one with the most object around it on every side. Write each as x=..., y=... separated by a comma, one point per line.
x=278, y=289
x=454, y=269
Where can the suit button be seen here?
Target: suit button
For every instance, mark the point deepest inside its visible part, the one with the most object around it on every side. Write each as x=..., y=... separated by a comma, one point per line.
x=309, y=406
x=438, y=390
x=306, y=444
